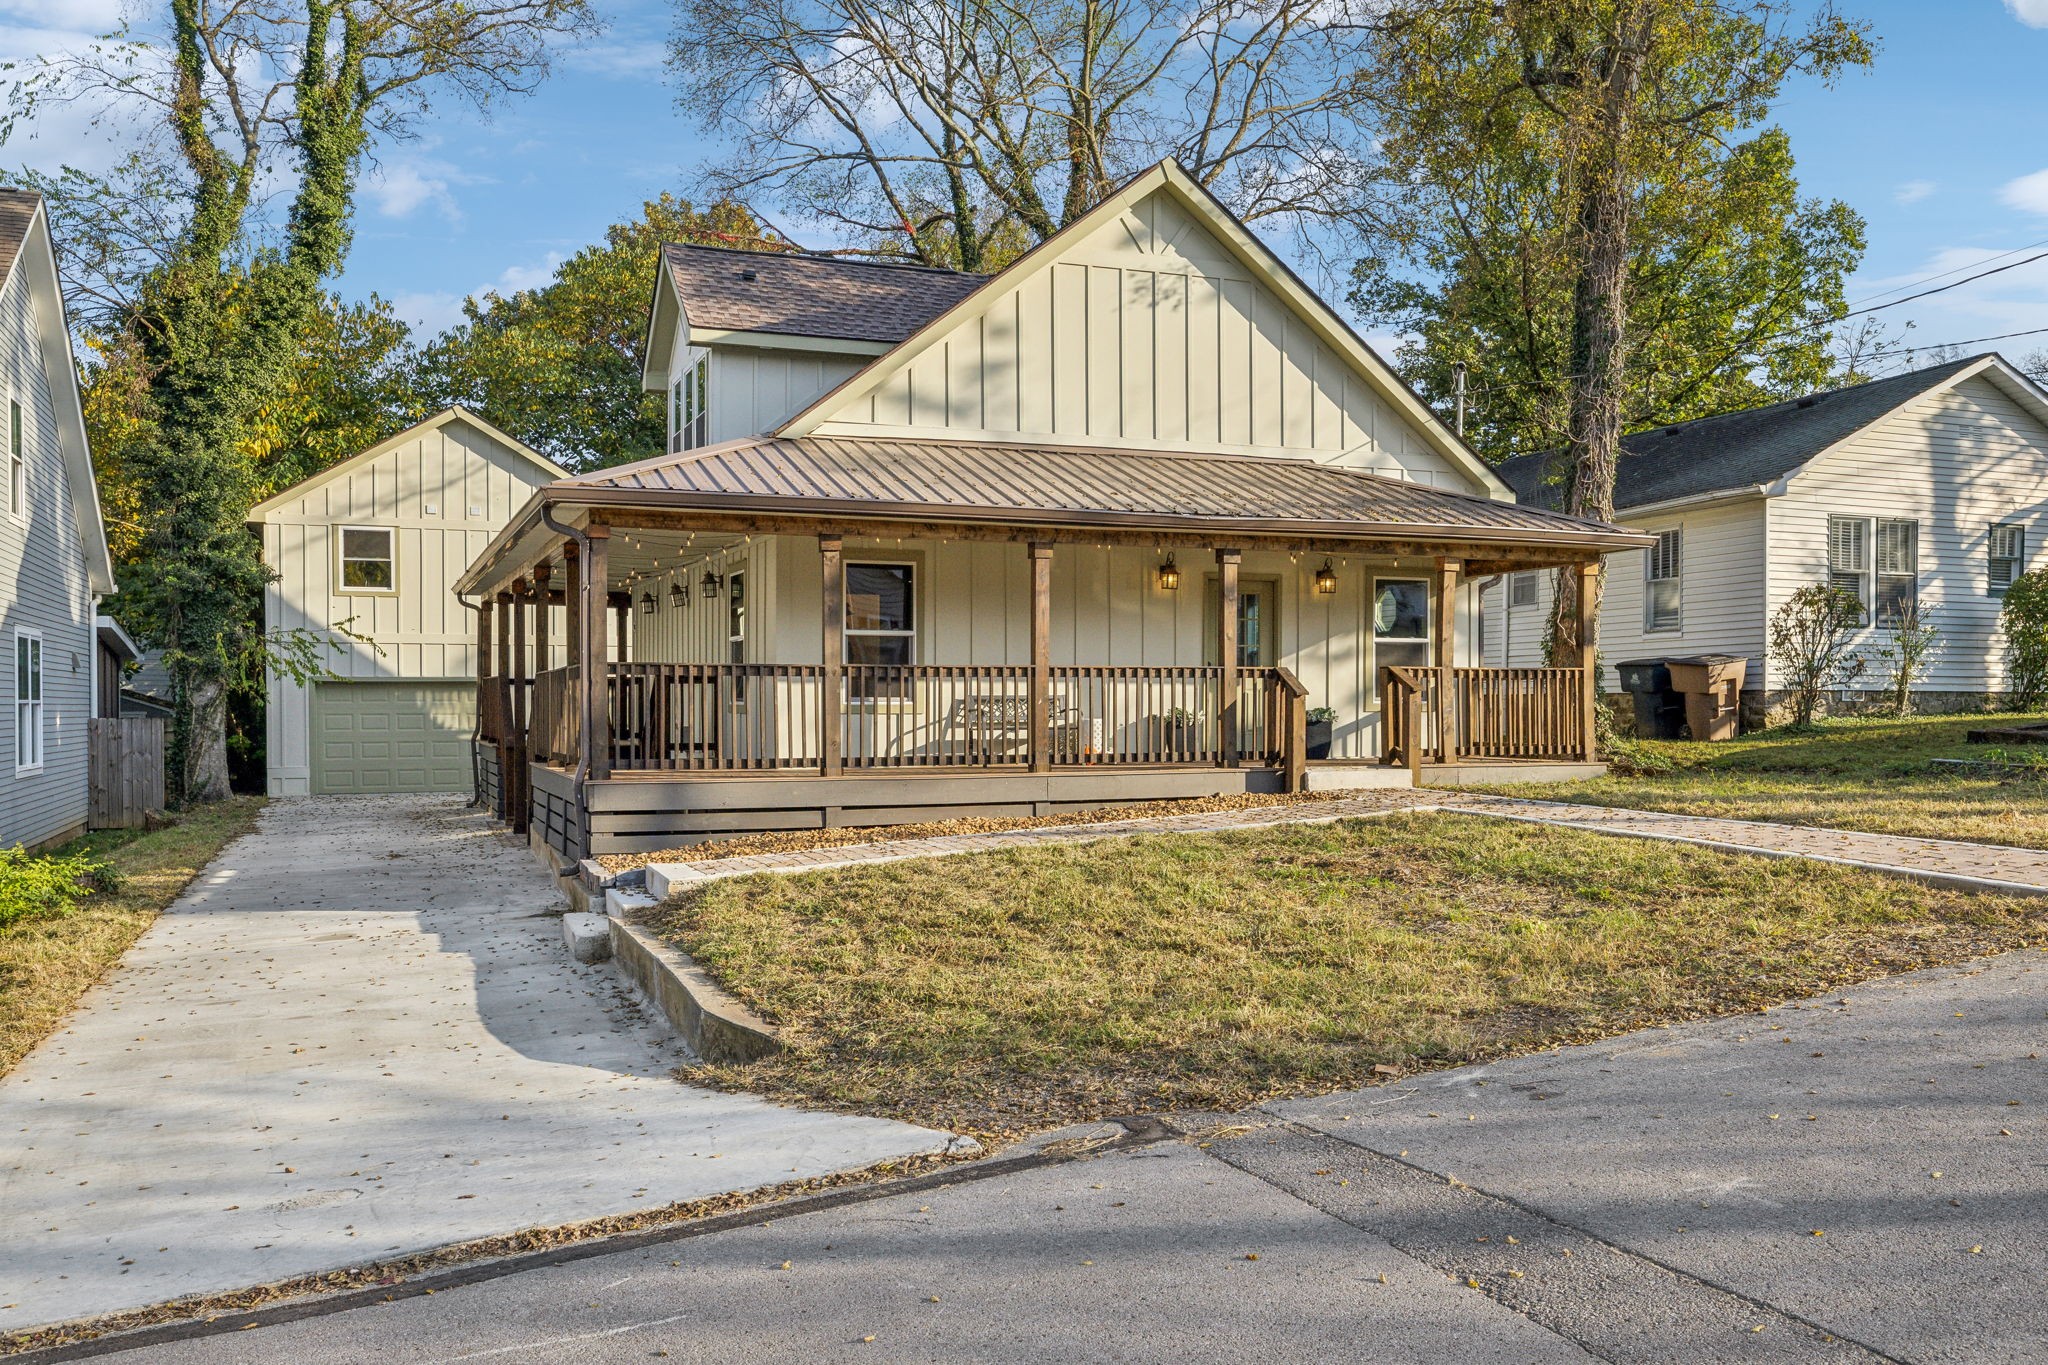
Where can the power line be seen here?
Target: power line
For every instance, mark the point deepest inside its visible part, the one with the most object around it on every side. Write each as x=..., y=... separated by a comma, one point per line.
x=1930, y=279
x=1927, y=293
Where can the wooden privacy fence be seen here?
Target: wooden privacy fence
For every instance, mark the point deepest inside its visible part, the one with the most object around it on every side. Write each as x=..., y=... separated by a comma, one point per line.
x=126, y=762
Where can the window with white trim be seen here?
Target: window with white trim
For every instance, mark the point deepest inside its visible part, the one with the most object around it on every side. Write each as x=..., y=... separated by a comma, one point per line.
x=1400, y=625
x=1849, y=562
x=1662, y=567
x=1522, y=590
x=689, y=407
x=17, y=462
x=1897, y=570
x=2008, y=553
x=368, y=559
x=28, y=701
x=881, y=625
x=736, y=617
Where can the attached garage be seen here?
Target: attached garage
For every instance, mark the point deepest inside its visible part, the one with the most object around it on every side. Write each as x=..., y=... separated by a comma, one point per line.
x=381, y=737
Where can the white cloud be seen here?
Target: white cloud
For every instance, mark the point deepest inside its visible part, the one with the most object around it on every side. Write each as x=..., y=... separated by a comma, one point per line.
x=642, y=58
x=518, y=277
x=2032, y=13
x=1912, y=191
x=402, y=186
x=2030, y=192
x=90, y=16
x=430, y=313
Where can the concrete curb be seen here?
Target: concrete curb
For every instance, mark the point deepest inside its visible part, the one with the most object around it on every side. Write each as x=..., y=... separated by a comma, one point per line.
x=716, y=1027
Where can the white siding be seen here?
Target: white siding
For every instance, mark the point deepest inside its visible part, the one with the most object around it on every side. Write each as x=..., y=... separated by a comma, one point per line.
x=1721, y=595
x=445, y=491
x=1147, y=333
x=1956, y=461
x=755, y=389
x=43, y=587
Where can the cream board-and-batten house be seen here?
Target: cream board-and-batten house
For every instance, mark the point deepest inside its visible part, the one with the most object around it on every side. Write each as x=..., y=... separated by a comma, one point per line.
x=375, y=544
x=1104, y=526
x=1925, y=490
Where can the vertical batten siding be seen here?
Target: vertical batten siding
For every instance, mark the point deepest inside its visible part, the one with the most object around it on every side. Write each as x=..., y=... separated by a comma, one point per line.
x=44, y=587
x=973, y=608
x=1956, y=461
x=754, y=389
x=1147, y=333
x=421, y=631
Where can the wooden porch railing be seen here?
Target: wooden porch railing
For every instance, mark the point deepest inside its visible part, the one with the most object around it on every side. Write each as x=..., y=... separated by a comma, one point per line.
x=1501, y=713
x=762, y=717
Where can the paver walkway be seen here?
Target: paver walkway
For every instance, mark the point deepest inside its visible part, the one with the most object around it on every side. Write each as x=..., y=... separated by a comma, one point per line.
x=358, y=1034
x=1942, y=861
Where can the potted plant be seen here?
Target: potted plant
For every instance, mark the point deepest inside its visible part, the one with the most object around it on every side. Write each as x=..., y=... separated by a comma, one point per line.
x=1321, y=720
x=1177, y=732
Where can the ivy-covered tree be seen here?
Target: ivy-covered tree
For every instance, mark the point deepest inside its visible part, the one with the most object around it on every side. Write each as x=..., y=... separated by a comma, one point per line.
x=246, y=100
x=559, y=366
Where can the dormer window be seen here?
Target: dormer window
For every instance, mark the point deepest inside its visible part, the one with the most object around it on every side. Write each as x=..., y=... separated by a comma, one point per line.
x=689, y=410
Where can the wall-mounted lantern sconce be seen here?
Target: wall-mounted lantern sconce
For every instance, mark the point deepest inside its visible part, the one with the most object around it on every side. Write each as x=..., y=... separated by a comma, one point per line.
x=1169, y=575
x=712, y=583
x=647, y=604
x=1326, y=579
x=678, y=596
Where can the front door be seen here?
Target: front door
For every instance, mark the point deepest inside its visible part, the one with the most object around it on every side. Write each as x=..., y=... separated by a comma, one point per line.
x=1258, y=622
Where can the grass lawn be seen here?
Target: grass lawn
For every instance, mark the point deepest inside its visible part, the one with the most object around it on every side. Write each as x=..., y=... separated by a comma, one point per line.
x=48, y=962
x=1021, y=989
x=1852, y=774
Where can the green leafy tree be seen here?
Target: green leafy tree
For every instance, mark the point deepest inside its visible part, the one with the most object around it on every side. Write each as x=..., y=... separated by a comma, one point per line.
x=559, y=366
x=2024, y=617
x=1586, y=188
x=242, y=98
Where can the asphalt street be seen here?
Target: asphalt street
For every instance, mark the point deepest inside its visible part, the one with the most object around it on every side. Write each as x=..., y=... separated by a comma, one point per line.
x=1854, y=1178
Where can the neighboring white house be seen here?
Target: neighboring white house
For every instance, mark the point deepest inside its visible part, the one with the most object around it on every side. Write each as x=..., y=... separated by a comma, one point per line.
x=374, y=545
x=1927, y=489
x=53, y=550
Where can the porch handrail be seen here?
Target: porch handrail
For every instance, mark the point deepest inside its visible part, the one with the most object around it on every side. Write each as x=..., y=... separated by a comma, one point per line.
x=1497, y=713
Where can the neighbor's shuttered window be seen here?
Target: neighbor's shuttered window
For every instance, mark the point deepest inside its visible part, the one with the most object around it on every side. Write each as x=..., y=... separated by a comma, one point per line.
x=1662, y=567
x=2008, y=556
x=369, y=559
x=1849, y=562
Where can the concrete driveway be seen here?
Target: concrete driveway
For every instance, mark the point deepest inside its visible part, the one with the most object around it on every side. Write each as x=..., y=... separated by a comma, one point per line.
x=358, y=1034
x=1633, y=1201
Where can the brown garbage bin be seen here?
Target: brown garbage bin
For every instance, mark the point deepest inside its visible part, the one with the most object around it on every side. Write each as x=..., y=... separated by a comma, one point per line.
x=1712, y=685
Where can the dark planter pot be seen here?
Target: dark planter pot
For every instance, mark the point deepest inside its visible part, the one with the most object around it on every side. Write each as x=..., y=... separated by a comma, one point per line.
x=1319, y=738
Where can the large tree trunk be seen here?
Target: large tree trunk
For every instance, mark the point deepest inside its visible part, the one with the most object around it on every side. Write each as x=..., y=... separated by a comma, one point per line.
x=1599, y=353
x=206, y=753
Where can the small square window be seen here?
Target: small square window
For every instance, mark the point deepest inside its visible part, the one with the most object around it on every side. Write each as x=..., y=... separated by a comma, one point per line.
x=1522, y=590
x=369, y=559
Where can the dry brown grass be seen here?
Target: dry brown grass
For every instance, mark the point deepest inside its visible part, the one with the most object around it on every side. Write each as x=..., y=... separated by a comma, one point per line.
x=47, y=963
x=1015, y=990
x=790, y=841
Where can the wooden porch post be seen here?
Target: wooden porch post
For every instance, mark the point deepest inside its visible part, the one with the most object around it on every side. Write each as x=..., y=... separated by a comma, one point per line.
x=1227, y=562
x=543, y=617
x=1586, y=626
x=485, y=666
x=832, y=590
x=501, y=701
x=1041, y=656
x=1446, y=660
x=623, y=614
x=522, y=691
x=596, y=671
x=572, y=604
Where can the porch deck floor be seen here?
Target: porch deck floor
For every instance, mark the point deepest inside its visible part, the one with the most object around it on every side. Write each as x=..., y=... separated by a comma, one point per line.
x=1988, y=867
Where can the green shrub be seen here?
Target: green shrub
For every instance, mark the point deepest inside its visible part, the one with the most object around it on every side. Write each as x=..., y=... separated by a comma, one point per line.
x=32, y=886
x=2025, y=619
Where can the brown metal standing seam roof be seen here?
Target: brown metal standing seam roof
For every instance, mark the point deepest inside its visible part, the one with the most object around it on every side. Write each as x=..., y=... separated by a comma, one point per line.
x=17, y=211
x=819, y=296
x=1059, y=483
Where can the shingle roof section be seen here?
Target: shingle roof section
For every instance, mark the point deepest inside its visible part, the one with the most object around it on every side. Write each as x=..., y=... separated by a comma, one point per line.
x=1068, y=485
x=819, y=296
x=1736, y=449
x=17, y=211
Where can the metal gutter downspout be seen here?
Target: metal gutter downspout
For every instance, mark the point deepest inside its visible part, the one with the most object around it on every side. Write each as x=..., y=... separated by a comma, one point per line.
x=585, y=725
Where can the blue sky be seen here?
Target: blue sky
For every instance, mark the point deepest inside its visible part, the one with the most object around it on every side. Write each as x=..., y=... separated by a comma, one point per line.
x=1940, y=146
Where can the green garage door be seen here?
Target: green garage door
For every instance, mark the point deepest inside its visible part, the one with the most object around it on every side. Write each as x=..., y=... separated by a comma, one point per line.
x=371, y=737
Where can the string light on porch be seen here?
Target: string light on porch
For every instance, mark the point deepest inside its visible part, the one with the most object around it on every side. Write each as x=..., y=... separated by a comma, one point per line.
x=1169, y=575
x=1326, y=579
